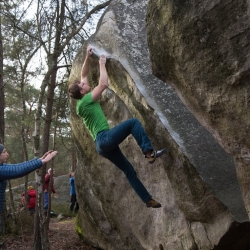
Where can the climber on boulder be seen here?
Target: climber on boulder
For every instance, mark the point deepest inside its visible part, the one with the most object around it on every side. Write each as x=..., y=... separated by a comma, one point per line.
x=107, y=139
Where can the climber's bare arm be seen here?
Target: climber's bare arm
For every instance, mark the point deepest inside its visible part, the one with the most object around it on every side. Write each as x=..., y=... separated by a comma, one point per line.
x=103, y=80
x=85, y=66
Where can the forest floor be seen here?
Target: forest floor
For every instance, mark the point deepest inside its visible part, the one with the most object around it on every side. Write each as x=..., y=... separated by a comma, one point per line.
x=62, y=236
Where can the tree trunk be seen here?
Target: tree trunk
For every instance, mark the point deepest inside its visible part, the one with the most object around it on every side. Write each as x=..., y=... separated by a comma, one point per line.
x=48, y=120
x=41, y=240
x=41, y=233
x=1, y=86
x=38, y=238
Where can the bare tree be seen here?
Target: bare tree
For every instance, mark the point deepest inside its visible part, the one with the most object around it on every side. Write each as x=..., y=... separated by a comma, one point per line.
x=63, y=24
x=58, y=27
x=1, y=86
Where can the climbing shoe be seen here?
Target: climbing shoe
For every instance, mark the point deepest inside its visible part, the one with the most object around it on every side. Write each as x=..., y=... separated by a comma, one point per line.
x=155, y=154
x=152, y=203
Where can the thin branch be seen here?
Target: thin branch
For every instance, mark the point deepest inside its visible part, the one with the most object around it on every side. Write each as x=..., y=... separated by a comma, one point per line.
x=87, y=16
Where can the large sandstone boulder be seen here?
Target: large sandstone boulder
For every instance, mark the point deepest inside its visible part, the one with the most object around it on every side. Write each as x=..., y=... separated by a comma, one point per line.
x=195, y=181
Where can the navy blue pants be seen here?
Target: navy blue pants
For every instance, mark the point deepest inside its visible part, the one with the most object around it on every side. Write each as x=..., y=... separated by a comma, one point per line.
x=107, y=145
x=74, y=207
x=46, y=201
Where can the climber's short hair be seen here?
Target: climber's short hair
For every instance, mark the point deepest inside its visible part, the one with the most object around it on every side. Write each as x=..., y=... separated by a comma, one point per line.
x=74, y=90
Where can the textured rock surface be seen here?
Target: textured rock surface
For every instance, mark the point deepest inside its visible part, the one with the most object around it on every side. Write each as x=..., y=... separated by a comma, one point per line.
x=202, y=51
x=195, y=181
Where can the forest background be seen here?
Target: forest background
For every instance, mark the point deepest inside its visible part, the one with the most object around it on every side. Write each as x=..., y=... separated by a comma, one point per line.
x=38, y=43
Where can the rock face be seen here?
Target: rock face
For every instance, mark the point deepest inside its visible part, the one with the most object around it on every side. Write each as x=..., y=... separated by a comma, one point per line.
x=195, y=181
x=202, y=51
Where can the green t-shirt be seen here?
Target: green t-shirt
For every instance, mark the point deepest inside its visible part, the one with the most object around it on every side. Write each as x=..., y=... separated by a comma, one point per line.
x=91, y=113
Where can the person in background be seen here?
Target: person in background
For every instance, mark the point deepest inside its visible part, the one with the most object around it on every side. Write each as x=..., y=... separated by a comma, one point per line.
x=12, y=171
x=74, y=207
x=46, y=187
x=107, y=139
x=31, y=199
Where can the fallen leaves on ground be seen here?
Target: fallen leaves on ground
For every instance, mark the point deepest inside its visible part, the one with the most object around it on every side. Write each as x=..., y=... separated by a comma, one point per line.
x=62, y=236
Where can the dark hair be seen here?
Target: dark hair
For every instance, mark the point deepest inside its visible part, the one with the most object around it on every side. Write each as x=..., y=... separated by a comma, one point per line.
x=1, y=148
x=74, y=90
x=70, y=174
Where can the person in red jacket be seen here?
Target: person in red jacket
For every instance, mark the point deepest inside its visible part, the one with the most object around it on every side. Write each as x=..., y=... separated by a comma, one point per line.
x=48, y=178
x=31, y=199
